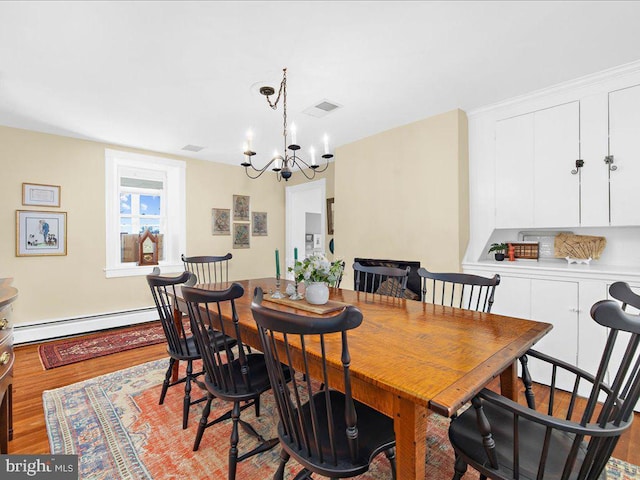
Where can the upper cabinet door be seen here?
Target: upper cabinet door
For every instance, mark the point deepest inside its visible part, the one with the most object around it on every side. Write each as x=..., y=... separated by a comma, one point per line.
x=556, y=190
x=624, y=146
x=514, y=172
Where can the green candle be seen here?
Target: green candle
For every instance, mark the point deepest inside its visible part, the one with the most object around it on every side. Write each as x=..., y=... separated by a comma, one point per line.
x=295, y=254
x=277, y=264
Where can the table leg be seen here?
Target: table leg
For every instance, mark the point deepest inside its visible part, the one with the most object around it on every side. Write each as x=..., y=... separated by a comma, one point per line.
x=509, y=380
x=177, y=318
x=410, y=425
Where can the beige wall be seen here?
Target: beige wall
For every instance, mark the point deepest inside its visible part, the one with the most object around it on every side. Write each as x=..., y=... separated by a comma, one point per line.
x=75, y=285
x=403, y=194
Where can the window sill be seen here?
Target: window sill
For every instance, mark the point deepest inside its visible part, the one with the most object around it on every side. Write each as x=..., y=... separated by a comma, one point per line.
x=133, y=270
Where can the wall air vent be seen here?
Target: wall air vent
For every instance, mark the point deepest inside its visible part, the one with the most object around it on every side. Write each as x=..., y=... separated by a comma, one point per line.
x=321, y=108
x=192, y=148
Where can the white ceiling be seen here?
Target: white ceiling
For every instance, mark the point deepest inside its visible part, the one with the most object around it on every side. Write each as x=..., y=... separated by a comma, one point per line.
x=161, y=75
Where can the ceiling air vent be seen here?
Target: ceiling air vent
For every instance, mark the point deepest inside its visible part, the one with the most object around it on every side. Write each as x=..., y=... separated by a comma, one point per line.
x=322, y=108
x=192, y=148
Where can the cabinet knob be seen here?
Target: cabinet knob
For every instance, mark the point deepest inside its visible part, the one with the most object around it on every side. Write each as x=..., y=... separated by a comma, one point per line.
x=4, y=323
x=4, y=358
x=609, y=161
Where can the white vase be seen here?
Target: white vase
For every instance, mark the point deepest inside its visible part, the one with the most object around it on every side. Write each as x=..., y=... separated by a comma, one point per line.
x=317, y=293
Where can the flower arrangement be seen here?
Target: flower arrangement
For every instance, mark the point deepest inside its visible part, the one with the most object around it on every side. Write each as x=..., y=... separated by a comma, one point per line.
x=316, y=268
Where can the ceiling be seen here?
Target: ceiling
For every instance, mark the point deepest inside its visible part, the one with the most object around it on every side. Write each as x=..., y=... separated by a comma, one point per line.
x=162, y=75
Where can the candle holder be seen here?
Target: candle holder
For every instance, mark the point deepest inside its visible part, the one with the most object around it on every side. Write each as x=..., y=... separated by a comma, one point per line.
x=277, y=293
x=296, y=295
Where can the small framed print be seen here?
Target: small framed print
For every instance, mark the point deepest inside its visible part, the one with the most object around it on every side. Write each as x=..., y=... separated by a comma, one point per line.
x=240, y=235
x=40, y=195
x=241, y=208
x=41, y=233
x=259, y=227
x=220, y=221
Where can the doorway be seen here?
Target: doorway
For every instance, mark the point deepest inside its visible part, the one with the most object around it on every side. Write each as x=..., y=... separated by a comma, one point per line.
x=305, y=215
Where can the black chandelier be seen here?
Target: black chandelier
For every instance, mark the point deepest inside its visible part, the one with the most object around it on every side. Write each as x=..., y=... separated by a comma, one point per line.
x=283, y=165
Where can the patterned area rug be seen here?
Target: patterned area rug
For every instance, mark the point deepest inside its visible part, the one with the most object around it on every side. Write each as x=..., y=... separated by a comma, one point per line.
x=119, y=431
x=63, y=352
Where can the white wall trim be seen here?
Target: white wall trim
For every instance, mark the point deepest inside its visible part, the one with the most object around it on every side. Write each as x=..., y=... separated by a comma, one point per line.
x=561, y=88
x=64, y=327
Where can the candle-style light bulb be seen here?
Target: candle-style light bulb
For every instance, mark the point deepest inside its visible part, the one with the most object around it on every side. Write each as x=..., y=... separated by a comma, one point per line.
x=326, y=144
x=294, y=132
x=275, y=156
x=249, y=138
x=312, y=152
x=245, y=147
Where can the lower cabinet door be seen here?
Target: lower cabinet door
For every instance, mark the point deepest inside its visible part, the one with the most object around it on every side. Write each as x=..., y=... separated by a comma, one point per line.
x=556, y=302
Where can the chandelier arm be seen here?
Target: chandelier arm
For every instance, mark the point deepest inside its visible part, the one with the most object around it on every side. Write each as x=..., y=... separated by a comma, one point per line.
x=315, y=170
x=260, y=170
x=295, y=162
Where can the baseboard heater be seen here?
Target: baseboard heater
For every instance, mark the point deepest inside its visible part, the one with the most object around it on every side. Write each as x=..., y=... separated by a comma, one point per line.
x=64, y=327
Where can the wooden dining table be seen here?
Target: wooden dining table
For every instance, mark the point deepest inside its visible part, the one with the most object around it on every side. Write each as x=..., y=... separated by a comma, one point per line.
x=410, y=358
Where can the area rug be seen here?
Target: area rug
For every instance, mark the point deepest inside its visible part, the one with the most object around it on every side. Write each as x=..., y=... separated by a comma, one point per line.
x=71, y=350
x=115, y=425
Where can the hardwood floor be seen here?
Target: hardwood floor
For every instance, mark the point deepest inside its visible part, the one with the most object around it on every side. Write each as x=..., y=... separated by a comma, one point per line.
x=30, y=380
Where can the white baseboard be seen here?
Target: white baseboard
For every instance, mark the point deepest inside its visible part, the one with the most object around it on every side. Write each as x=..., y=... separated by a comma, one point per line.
x=35, y=332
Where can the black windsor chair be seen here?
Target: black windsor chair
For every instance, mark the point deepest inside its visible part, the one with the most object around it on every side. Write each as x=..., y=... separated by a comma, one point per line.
x=388, y=281
x=326, y=431
x=180, y=344
x=461, y=290
x=239, y=380
x=570, y=440
x=208, y=269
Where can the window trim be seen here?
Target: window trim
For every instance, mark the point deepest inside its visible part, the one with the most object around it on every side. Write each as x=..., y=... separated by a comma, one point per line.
x=174, y=240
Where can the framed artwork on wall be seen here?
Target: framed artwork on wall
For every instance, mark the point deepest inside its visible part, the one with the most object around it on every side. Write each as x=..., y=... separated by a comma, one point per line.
x=259, y=224
x=241, y=208
x=40, y=195
x=330, y=216
x=240, y=235
x=220, y=221
x=40, y=233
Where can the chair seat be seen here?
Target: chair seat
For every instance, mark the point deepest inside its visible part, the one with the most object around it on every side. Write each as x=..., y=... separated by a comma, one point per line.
x=375, y=434
x=233, y=374
x=189, y=350
x=464, y=435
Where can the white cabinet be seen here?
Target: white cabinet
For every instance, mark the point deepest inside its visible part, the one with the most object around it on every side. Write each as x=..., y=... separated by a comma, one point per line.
x=624, y=147
x=514, y=171
x=535, y=154
x=536, y=157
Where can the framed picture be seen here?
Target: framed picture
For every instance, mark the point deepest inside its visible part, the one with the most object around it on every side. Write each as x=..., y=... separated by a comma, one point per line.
x=241, y=208
x=308, y=237
x=41, y=233
x=330, y=216
x=220, y=221
x=40, y=195
x=317, y=238
x=259, y=224
x=240, y=235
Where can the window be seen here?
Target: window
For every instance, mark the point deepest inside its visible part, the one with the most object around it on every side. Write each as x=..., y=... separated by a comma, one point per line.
x=143, y=192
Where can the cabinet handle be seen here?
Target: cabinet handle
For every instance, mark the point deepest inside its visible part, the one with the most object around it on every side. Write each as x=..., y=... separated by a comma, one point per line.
x=4, y=358
x=4, y=323
x=579, y=165
x=609, y=161
x=574, y=310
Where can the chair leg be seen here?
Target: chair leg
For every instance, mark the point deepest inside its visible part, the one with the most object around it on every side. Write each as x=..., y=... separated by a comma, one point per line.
x=186, y=402
x=203, y=422
x=284, y=458
x=460, y=468
x=167, y=381
x=256, y=405
x=235, y=437
x=391, y=455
